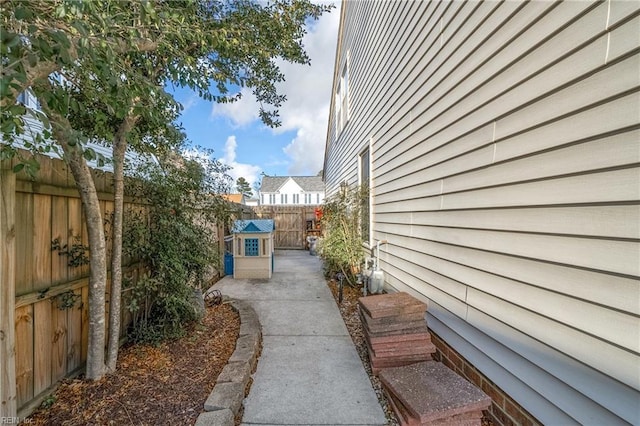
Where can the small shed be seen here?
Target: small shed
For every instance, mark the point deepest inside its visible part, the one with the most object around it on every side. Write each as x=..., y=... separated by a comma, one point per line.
x=253, y=248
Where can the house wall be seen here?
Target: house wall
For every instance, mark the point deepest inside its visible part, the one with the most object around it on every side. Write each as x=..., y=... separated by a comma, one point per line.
x=264, y=198
x=505, y=150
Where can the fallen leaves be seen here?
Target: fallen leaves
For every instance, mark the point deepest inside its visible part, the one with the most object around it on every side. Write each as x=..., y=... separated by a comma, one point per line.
x=165, y=385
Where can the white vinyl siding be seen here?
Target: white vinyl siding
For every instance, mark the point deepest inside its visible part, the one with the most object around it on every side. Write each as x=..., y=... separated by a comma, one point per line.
x=505, y=176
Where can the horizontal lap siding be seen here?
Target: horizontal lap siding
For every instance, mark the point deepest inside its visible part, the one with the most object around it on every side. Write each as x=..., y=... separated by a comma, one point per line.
x=505, y=167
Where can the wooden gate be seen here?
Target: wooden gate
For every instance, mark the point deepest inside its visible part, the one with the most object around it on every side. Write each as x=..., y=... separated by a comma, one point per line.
x=291, y=224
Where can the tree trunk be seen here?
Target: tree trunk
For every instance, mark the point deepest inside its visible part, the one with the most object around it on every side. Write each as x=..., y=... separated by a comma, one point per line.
x=119, y=150
x=67, y=138
x=97, y=258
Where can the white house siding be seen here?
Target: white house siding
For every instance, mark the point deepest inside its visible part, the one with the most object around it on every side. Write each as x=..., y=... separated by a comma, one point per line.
x=505, y=175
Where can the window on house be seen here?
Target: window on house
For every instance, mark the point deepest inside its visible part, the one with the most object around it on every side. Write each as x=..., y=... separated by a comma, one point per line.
x=342, y=100
x=272, y=198
x=283, y=198
x=296, y=198
x=318, y=198
x=307, y=198
x=251, y=246
x=365, y=220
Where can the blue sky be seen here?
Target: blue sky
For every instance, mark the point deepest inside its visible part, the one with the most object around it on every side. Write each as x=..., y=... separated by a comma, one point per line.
x=240, y=140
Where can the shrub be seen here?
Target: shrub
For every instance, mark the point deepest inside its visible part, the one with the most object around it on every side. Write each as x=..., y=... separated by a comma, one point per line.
x=175, y=238
x=341, y=248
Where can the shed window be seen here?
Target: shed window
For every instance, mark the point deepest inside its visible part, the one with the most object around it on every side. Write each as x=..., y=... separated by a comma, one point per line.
x=251, y=247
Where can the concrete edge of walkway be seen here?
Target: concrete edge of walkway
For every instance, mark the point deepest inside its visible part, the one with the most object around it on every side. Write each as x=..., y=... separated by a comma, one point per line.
x=225, y=400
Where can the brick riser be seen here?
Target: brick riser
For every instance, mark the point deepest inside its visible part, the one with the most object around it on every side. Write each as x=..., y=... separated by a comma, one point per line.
x=504, y=411
x=429, y=393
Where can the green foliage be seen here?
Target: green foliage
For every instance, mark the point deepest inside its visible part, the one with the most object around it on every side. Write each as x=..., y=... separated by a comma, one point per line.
x=243, y=187
x=48, y=402
x=67, y=300
x=77, y=253
x=175, y=238
x=341, y=248
x=113, y=59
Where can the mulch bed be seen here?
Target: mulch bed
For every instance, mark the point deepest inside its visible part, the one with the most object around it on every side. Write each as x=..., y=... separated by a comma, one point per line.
x=349, y=311
x=165, y=385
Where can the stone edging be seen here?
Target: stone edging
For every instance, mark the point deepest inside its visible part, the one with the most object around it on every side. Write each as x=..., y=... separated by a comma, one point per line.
x=225, y=400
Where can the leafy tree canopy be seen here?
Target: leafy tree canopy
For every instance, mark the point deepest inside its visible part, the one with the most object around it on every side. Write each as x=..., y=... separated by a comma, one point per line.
x=243, y=187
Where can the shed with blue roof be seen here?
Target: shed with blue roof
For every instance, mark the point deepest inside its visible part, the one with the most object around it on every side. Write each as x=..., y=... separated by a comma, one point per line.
x=253, y=248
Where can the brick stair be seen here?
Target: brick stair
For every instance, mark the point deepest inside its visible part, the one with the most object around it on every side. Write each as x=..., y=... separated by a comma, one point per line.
x=429, y=393
x=420, y=391
x=395, y=330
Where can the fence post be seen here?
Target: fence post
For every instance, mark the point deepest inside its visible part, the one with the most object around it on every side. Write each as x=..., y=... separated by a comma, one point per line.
x=8, y=406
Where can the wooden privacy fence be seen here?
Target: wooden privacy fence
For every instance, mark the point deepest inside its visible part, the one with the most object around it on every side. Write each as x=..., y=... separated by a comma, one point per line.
x=44, y=293
x=291, y=223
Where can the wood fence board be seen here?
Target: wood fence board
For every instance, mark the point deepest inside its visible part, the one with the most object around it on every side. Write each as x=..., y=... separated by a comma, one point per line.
x=46, y=169
x=24, y=354
x=74, y=334
x=59, y=225
x=290, y=224
x=85, y=241
x=85, y=323
x=74, y=230
x=41, y=260
x=58, y=341
x=59, y=173
x=8, y=401
x=106, y=208
x=42, y=336
x=107, y=305
x=24, y=242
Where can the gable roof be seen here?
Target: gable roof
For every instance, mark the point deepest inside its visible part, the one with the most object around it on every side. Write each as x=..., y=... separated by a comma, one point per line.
x=253, y=226
x=307, y=183
x=235, y=198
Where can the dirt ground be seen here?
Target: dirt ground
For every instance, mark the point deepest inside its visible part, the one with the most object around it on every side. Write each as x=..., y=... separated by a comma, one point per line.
x=164, y=385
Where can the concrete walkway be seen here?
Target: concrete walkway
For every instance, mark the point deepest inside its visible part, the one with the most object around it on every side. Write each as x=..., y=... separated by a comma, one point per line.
x=309, y=372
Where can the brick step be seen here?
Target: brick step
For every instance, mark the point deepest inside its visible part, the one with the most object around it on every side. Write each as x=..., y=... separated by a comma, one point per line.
x=394, y=319
x=387, y=305
x=411, y=327
x=378, y=366
x=401, y=350
x=393, y=339
x=429, y=393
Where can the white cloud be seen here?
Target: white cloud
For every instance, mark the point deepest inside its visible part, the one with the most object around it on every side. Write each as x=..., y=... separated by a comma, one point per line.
x=308, y=91
x=249, y=171
x=189, y=103
x=239, y=113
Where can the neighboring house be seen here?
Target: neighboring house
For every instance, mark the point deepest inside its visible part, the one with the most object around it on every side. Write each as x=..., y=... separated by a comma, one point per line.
x=291, y=190
x=33, y=127
x=501, y=143
x=235, y=198
x=252, y=201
